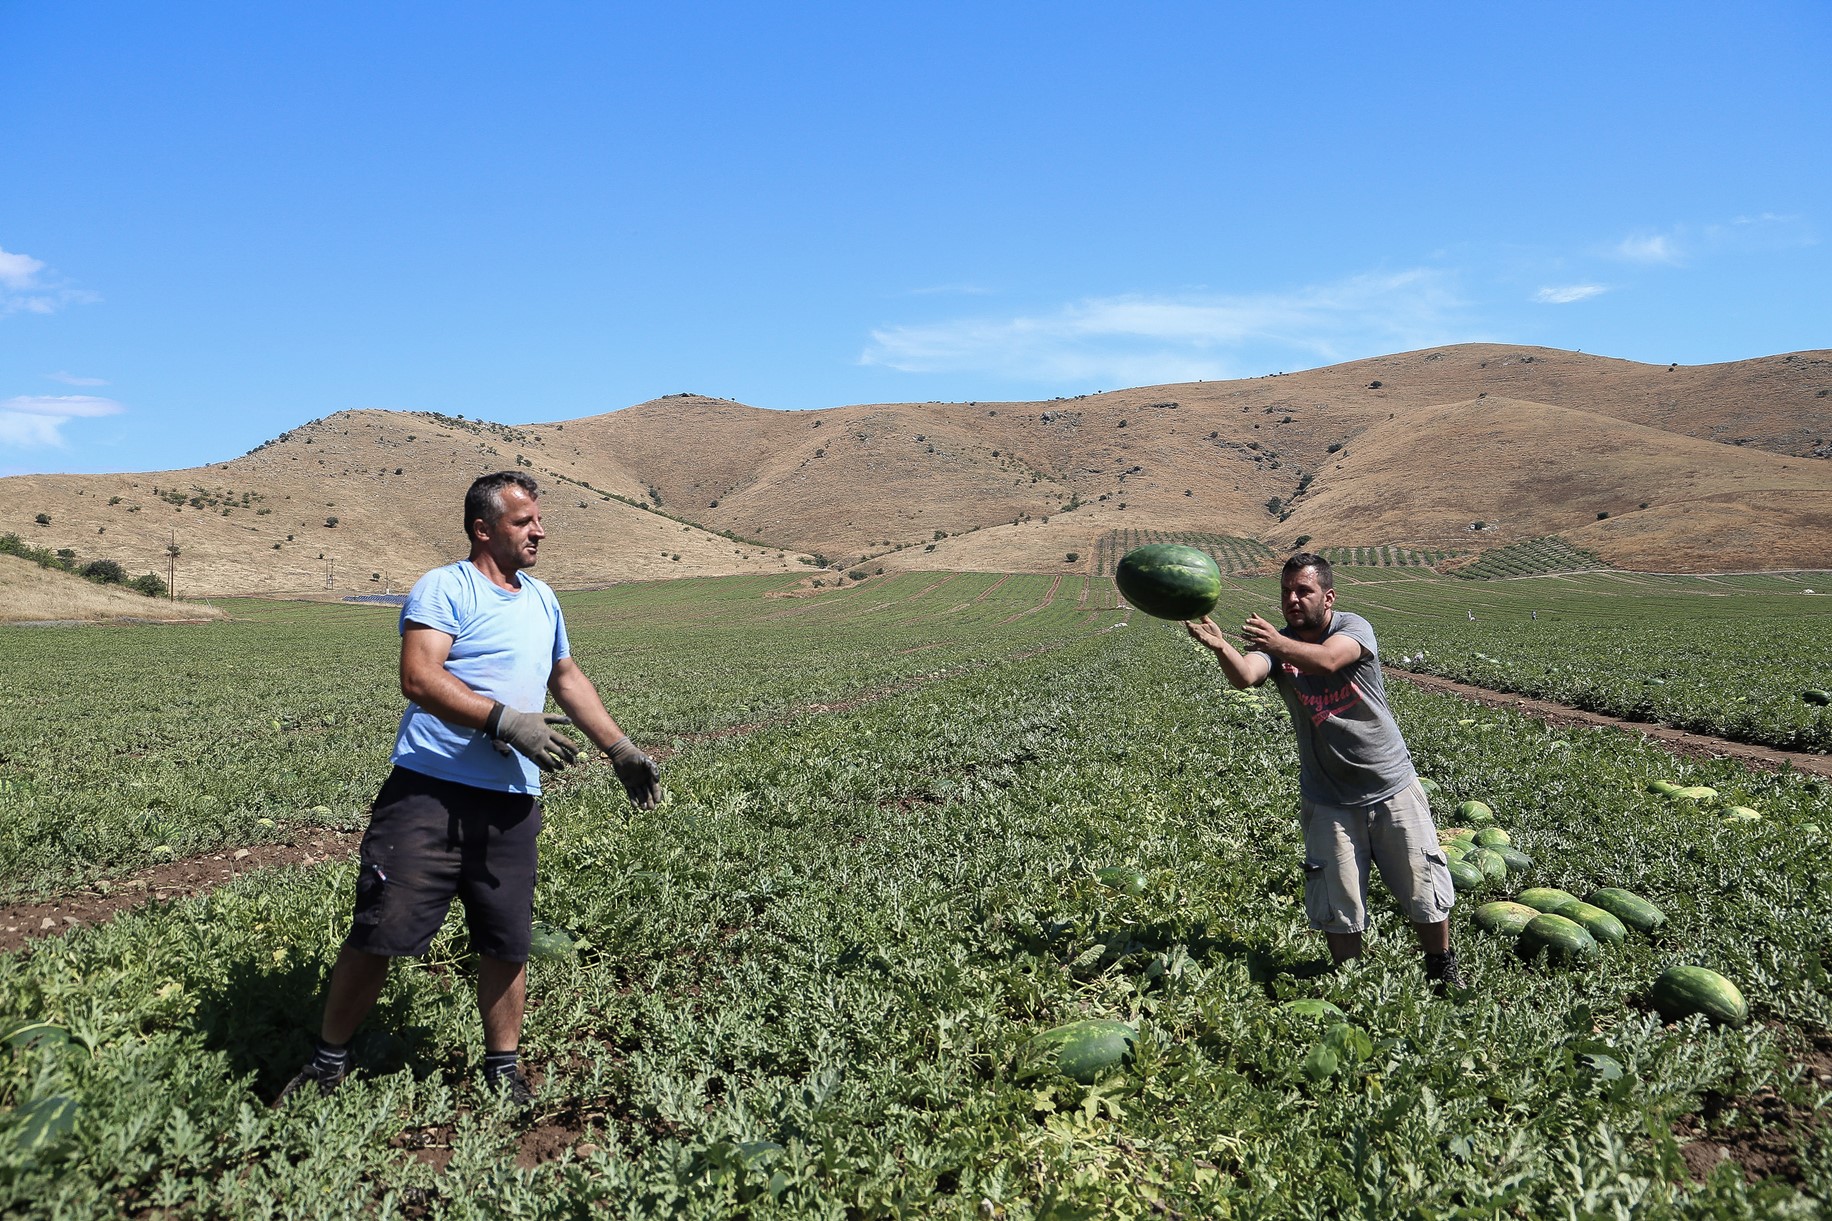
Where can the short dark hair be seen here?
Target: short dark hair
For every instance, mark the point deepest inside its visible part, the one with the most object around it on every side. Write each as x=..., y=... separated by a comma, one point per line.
x=485, y=499
x=1326, y=576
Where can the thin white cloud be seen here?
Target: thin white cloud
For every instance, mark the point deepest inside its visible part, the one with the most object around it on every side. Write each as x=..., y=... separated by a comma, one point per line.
x=24, y=291
x=1680, y=244
x=1565, y=294
x=37, y=420
x=1650, y=248
x=71, y=379
x=1141, y=339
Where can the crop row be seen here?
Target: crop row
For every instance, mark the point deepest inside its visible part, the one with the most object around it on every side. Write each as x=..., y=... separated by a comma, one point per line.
x=811, y=978
x=1383, y=557
x=1531, y=557
x=124, y=746
x=1231, y=554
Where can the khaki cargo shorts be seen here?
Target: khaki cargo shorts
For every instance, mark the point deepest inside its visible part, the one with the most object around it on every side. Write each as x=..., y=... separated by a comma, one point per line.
x=1398, y=836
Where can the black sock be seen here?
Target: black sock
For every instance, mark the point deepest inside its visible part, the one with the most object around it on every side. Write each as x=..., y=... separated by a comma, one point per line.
x=497, y=1065
x=330, y=1059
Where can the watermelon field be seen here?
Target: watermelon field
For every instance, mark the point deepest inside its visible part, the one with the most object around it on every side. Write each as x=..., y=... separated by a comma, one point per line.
x=812, y=983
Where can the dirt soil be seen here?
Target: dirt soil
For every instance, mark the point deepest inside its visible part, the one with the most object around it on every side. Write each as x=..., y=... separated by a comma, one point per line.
x=1679, y=741
x=1762, y=1133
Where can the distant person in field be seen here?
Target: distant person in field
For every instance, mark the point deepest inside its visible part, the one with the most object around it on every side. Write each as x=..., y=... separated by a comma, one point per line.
x=1361, y=800
x=482, y=646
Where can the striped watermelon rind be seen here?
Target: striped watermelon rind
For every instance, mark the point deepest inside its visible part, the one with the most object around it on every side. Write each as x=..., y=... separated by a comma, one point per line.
x=1596, y=921
x=1505, y=918
x=1087, y=1050
x=1560, y=939
x=1628, y=907
x=1545, y=898
x=1465, y=876
x=1683, y=991
x=1169, y=580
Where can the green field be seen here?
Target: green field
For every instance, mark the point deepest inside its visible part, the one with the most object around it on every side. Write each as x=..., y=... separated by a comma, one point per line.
x=806, y=983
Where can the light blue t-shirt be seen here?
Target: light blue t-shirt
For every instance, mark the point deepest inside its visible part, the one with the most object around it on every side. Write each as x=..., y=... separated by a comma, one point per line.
x=504, y=646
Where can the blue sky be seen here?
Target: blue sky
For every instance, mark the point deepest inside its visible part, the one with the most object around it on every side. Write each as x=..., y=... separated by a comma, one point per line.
x=220, y=220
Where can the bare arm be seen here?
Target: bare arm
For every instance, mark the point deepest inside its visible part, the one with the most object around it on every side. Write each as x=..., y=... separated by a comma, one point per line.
x=1334, y=653
x=579, y=699
x=426, y=681
x=1242, y=669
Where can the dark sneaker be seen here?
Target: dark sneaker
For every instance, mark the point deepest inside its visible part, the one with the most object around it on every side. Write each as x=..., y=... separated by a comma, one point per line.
x=513, y=1086
x=1443, y=972
x=311, y=1075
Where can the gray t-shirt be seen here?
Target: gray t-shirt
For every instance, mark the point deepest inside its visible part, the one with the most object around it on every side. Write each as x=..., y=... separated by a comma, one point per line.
x=1350, y=752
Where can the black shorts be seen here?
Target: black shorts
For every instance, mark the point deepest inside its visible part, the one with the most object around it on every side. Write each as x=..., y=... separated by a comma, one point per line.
x=430, y=840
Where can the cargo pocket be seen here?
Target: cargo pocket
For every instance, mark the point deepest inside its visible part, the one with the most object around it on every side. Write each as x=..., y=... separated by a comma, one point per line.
x=371, y=889
x=1433, y=892
x=1316, y=895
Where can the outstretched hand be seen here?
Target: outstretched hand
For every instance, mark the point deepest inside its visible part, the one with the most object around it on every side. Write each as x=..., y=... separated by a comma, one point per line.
x=641, y=776
x=537, y=737
x=1258, y=633
x=1207, y=632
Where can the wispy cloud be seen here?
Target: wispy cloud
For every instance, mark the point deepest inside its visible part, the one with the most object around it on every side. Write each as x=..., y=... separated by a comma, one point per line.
x=1649, y=248
x=1138, y=339
x=24, y=289
x=71, y=379
x=1680, y=244
x=37, y=420
x=1565, y=294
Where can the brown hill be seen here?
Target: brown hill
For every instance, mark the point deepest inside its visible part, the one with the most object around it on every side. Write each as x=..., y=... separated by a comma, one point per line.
x=1411, y=448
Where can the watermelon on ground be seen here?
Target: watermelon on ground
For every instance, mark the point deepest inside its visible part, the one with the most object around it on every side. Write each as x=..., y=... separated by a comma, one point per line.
x=1465, y=876
x=1561, y=940
x=1494, y=837
x=1596, y=921
x=1517, y=861
x=1504, y=917
x=1546, y=898
x=1489, y=862
x=1681, y=992
x=1086, y=1051
x=1475, y=811
x=1122, y=878
x=1169, y=580
x=547, y=943
x=1431, y=787
x=1628, y=907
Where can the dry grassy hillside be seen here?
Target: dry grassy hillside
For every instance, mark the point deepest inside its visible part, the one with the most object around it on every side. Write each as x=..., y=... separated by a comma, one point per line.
x=30, y=594
x=1409, y=448
x=1552, y=470
x=359, y=502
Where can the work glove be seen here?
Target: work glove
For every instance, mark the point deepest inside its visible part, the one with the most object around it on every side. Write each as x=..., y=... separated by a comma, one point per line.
x=533, y=735
x=641, y=776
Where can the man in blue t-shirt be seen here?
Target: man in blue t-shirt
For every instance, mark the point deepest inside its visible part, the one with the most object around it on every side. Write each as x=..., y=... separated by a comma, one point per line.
x=482, y=646
x=1361, y=803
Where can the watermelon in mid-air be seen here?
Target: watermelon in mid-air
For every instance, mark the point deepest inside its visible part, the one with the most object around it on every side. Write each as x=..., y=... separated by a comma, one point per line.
x=1169, y=580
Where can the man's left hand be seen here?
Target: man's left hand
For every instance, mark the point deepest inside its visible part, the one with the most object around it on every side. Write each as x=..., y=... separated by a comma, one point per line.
x=641, y=775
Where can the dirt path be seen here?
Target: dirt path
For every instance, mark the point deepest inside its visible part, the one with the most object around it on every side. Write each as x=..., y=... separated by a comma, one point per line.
x=1679, y=741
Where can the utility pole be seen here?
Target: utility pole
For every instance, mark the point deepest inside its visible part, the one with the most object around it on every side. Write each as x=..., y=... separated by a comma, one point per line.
x=330, y=570
x=171, y=567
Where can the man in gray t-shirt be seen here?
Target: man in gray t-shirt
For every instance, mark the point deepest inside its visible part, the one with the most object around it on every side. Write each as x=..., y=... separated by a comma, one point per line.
x=1361, y=801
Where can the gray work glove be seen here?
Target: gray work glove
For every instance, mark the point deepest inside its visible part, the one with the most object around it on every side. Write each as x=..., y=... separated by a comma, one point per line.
x=533, y=735
x=641, y=776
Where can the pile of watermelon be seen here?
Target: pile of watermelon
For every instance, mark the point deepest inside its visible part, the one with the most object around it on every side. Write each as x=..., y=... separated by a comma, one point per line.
x=1705, y=797
x=1567, y=929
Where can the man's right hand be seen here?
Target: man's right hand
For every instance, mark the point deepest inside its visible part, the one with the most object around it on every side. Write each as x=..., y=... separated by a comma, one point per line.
x=535, y=736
